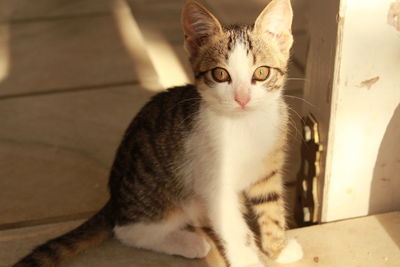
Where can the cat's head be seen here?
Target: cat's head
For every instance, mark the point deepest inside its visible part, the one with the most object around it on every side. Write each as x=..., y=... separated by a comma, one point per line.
x=239, y=68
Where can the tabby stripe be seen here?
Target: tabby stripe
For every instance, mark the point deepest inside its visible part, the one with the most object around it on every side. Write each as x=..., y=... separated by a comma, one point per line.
x=276, y=222
x=270, y=197
x=218, y=243
x=230, y=40
x=47, y=251
x=266, y=178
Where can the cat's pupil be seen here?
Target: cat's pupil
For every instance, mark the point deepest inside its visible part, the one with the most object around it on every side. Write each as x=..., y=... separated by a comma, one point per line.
x=220, y=75
x=261, y=73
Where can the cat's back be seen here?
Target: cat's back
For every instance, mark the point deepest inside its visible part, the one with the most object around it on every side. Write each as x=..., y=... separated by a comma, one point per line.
x=161, y=126
x=169, y=111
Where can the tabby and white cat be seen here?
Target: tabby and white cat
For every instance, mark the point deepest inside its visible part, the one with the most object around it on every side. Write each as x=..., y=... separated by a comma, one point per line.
x=205, y=155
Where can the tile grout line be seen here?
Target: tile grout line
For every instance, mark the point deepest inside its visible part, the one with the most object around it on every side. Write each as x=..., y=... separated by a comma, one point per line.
x=49, y=220
x=69, y=90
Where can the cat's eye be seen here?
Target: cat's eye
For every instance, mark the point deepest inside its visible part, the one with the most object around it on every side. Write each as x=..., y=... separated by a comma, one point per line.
x=261, y=73
x=220, y=75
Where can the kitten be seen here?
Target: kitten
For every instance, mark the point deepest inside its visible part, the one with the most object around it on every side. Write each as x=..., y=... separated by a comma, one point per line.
x=209, y=154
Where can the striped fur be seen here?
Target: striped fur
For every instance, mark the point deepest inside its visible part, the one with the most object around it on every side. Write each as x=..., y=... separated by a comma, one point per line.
x=91, y=233
x=143, y=183
x=195, y=155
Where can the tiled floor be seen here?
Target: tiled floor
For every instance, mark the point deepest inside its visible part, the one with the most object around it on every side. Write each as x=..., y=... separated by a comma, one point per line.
x=72, y=75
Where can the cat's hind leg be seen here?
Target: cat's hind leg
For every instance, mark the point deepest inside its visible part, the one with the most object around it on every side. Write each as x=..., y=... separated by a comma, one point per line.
x=167, y=236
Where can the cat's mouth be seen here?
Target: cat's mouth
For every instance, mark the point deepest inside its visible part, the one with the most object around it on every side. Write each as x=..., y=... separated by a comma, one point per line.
x=235, y=108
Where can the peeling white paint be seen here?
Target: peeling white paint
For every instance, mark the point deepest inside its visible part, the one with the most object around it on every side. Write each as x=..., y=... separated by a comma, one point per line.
x=368, y=83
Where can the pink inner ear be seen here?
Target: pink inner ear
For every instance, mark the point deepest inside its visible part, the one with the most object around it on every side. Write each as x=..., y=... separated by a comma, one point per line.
x=277, y=24
x=198, y=24
x=276, y=17
x=276, y=21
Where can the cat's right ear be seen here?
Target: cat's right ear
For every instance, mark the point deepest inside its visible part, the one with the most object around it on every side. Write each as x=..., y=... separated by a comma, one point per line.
x=199, y=25
x=276, y=21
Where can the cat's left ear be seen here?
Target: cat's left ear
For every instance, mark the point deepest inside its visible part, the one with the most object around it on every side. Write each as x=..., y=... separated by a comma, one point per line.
x=276, y=21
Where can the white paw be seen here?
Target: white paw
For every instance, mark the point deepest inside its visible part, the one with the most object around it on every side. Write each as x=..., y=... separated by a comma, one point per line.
x=191, y=245
x=291, y=253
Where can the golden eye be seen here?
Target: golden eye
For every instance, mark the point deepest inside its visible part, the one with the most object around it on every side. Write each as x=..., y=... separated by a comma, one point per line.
x=261, y=73
x=220, y=75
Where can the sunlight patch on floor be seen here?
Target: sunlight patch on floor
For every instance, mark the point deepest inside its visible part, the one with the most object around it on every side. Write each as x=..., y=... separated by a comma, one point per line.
x=134, y=42
x=4, y=51
x=155, y=60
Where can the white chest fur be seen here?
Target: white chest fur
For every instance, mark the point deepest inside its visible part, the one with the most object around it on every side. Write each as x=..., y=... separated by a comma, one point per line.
x=230, y=151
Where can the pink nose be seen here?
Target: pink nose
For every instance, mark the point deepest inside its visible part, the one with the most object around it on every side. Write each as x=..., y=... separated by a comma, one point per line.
x=242, y=100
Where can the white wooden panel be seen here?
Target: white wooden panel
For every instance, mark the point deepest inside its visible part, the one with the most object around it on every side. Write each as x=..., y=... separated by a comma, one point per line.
x=362, y=171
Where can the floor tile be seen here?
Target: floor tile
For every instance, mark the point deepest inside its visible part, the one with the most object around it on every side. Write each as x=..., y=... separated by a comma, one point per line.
x=24, y=9
x=66, y=53
x=56, y=150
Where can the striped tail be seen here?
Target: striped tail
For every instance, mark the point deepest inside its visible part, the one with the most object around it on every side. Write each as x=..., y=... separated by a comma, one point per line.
x=91, y=233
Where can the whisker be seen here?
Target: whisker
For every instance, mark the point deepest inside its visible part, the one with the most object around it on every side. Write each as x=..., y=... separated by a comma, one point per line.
x=292, y=124
x=298, y=115
x=191, y=116
x=298, y=137
x=299, y=98
x=296, y=79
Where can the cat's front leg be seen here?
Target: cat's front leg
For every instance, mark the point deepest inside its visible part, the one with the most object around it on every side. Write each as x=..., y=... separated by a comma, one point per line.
x=265, y=198
x=227, y=221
